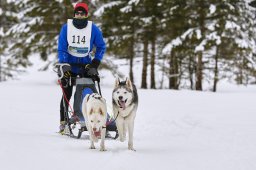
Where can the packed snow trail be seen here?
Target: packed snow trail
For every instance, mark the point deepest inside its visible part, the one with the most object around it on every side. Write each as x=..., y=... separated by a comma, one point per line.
x=177, y=130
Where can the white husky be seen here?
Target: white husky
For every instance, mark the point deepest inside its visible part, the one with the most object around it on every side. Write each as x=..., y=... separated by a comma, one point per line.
x=95, y=113
x=125, y=103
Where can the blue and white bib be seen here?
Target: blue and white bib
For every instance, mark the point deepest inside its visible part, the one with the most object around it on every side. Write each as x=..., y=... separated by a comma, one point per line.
x=79, y=39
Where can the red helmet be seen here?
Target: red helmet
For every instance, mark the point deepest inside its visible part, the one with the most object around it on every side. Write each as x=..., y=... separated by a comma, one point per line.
x=81, y=5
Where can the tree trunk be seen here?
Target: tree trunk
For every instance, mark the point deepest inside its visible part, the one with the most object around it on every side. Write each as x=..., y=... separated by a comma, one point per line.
x=216, y=71
x=152, y=64
x=145, y=65
x=132, y=42
x=191, y=68
x=131, y=65
x=199, y=74
x=199, y=71
x=163, y=72
x=131, y=59
x=173, y=79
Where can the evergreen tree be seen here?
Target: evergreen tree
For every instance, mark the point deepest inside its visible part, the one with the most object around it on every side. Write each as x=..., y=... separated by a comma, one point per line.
x=147, y=37
x=200, y=40
x=119, y=25
x=174, y=24
x=212, y=37
x=39, y=26
x=8, y=17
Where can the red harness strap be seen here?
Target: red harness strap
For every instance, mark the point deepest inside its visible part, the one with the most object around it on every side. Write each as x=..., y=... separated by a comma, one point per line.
x=65, y=97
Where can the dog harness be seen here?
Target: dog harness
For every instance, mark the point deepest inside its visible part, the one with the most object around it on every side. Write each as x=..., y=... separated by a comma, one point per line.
x=97, y=96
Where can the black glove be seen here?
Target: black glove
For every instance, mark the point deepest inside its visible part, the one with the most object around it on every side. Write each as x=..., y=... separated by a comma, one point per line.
x=64, y=70
x=64, y=82
x=95, y=63
x=91, y=71
x=67, y=74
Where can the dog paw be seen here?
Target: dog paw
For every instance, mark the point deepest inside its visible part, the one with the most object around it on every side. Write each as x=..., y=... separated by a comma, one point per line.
x=132, y=149
x=103, y=149
x=92, y=147
x=122, y=139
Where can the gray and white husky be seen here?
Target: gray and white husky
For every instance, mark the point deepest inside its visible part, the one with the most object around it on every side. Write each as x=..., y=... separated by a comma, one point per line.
x=125, y=104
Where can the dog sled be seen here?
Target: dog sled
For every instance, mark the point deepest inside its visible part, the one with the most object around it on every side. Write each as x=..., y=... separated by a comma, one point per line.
x=83, y=86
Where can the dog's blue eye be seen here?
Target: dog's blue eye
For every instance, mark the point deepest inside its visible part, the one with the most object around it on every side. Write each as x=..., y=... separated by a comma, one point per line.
x=125, y=92
x=118, y=92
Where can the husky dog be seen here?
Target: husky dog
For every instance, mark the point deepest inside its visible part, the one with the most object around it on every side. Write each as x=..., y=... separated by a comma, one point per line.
x=125, y=104
x=94, y=110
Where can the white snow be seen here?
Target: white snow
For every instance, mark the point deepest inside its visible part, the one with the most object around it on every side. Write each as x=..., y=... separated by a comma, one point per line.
x=179, y=130
x=168, y=48
x=232, y=25
x=189, y=32
x=177, y=41
x=211, y=26
x=1, y=31
x=200, y=47
x=126, y=9
x=212, y=9
x=101, y=10
x=198, y=34
x=146, y=20
x=18, y=28
x=30, y=38
x=135, y=2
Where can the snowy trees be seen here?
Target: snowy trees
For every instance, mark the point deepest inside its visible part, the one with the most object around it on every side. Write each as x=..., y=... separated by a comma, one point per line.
x=187, y=43
x=119, y=25
x=39, y=25
x=128, y=26
x=217, y=37
x=8, y=17
x=198, y=39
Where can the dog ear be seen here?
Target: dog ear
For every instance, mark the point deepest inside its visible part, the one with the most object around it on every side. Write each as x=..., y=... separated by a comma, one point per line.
x=101, y=112
x=117, y=82
x=129, y=83
x=87, y=97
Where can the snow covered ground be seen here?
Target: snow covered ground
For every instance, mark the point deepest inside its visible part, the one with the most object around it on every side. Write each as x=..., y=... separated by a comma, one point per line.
x=178, y=130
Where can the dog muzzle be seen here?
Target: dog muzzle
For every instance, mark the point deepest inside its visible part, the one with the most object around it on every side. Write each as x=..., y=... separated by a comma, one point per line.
x=97, y=133
x=122, y=103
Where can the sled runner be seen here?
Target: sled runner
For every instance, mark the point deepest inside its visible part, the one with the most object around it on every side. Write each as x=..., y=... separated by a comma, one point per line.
x=74, y=120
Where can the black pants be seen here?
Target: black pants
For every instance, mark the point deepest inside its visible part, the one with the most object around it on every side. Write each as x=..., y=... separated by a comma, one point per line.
x=68, y=89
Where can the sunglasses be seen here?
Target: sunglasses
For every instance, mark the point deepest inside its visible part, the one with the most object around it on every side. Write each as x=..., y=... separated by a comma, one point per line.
x=81, y=13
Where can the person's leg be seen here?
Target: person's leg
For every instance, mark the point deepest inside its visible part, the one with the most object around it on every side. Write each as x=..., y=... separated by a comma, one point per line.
x=64, y=108
x=78, y=101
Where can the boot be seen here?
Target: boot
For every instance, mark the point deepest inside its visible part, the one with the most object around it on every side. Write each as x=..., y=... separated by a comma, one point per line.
x=62, y=126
